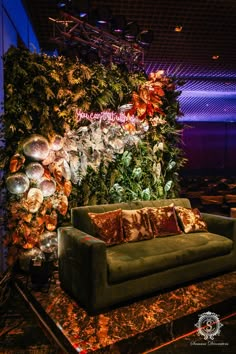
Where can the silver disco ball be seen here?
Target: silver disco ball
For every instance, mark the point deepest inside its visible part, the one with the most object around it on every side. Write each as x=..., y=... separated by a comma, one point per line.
x=47, y=186
x=17, y=183
x=36, y=147
x=34, y=170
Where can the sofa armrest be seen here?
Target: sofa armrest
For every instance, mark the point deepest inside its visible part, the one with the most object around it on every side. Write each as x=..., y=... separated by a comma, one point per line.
x=221, y=225
x=82, y=264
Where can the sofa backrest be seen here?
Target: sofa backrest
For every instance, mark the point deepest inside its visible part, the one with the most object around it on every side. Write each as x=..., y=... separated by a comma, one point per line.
x=81, y=220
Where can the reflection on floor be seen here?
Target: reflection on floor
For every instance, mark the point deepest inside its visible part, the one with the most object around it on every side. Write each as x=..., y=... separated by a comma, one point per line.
x=223, y=338
x=139, y=326
x=20, y=331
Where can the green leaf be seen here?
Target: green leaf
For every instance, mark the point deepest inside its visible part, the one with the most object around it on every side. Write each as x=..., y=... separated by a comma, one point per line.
x=137, y=173
x=168, y=186
x=171, y=165
x=126, y=158
x=146, y=194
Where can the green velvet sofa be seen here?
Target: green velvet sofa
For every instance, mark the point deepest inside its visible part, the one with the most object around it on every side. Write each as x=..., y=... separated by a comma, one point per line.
x=97, y=276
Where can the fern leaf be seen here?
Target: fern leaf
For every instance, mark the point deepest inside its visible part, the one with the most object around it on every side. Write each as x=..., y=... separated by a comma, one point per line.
x=49, y=93
x=26, y=120
x=40, y=79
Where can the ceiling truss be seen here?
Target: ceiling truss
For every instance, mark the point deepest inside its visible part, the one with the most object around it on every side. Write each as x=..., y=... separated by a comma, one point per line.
x=71, y=32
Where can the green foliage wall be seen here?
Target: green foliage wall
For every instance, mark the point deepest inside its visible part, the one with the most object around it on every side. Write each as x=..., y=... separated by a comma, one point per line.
x=43, y=95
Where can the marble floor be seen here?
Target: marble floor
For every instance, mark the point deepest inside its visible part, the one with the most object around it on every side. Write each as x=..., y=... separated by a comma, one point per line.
x=20, y=331
x=157, y=323
x=224, y=340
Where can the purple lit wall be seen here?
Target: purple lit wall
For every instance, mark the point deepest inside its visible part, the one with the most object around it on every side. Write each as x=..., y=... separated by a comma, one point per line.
x=210, y=147
x=209, y=99
x=208, y=106
x=14, y=24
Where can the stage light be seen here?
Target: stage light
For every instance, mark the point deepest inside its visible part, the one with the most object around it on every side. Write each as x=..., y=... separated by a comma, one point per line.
x=103, y=14
x=80, y=8
x=131, y=31
x=145, y=38
x=64, y=5
x=92, y=41
x=118, y=24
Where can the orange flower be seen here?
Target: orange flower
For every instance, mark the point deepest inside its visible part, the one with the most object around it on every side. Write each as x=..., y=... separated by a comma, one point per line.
x=148, y=100
x=63, y=205
x=129, y=127
x=29, y=245
x=47, y=205
x=51, y=221
x=25, y=230
x=47, y=173
x=40, y=220
x=26, y=217
x=67, y=188
x=57, y=172
x=16, y=238
x=16, y=162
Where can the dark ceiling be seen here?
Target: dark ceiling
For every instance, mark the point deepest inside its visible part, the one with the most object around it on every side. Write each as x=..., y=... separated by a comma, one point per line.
x=208, y=29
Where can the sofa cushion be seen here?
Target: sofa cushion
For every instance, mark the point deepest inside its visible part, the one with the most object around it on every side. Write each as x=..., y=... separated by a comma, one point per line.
x=131, y=260
x=163, y=221
x=80, y=219
x=190, y=219
x=136, y=225
x=108, y=226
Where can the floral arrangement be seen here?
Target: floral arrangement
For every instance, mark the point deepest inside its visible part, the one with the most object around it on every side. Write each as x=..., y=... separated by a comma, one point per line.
x=54, y=160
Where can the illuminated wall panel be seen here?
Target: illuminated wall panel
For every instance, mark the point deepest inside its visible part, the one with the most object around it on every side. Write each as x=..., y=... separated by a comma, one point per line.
x=210, y=147
x=14, y=24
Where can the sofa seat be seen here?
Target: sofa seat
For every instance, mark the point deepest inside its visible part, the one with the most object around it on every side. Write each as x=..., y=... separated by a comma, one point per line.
x=100, y=276
x=130, y=260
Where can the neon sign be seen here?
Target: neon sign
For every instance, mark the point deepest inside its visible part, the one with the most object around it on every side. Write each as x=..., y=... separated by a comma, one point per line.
x=107, y=116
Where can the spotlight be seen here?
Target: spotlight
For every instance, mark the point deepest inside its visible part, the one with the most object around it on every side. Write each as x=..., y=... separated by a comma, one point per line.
x=145, y=38
x=118, y=24
x=64, y=5
x=80, y=8
x=131, y=31
x=103, y=14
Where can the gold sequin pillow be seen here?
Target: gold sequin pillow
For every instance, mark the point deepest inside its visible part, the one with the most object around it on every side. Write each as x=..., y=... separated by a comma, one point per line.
x=190, y=219
x=136, y=225
x=164, y=221
x=108, y=226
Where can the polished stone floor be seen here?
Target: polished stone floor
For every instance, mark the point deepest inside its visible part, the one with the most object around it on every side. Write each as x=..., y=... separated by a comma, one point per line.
x=161, y=323
x=223, y=342
x=20, y=329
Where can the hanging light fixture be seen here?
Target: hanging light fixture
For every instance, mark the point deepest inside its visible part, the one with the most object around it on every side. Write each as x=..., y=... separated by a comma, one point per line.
x=64, y=5
x=79, y=8
x=101, y=17
x=118, y=24
x=145, y=38
x=131, y=31
x=103, y=14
